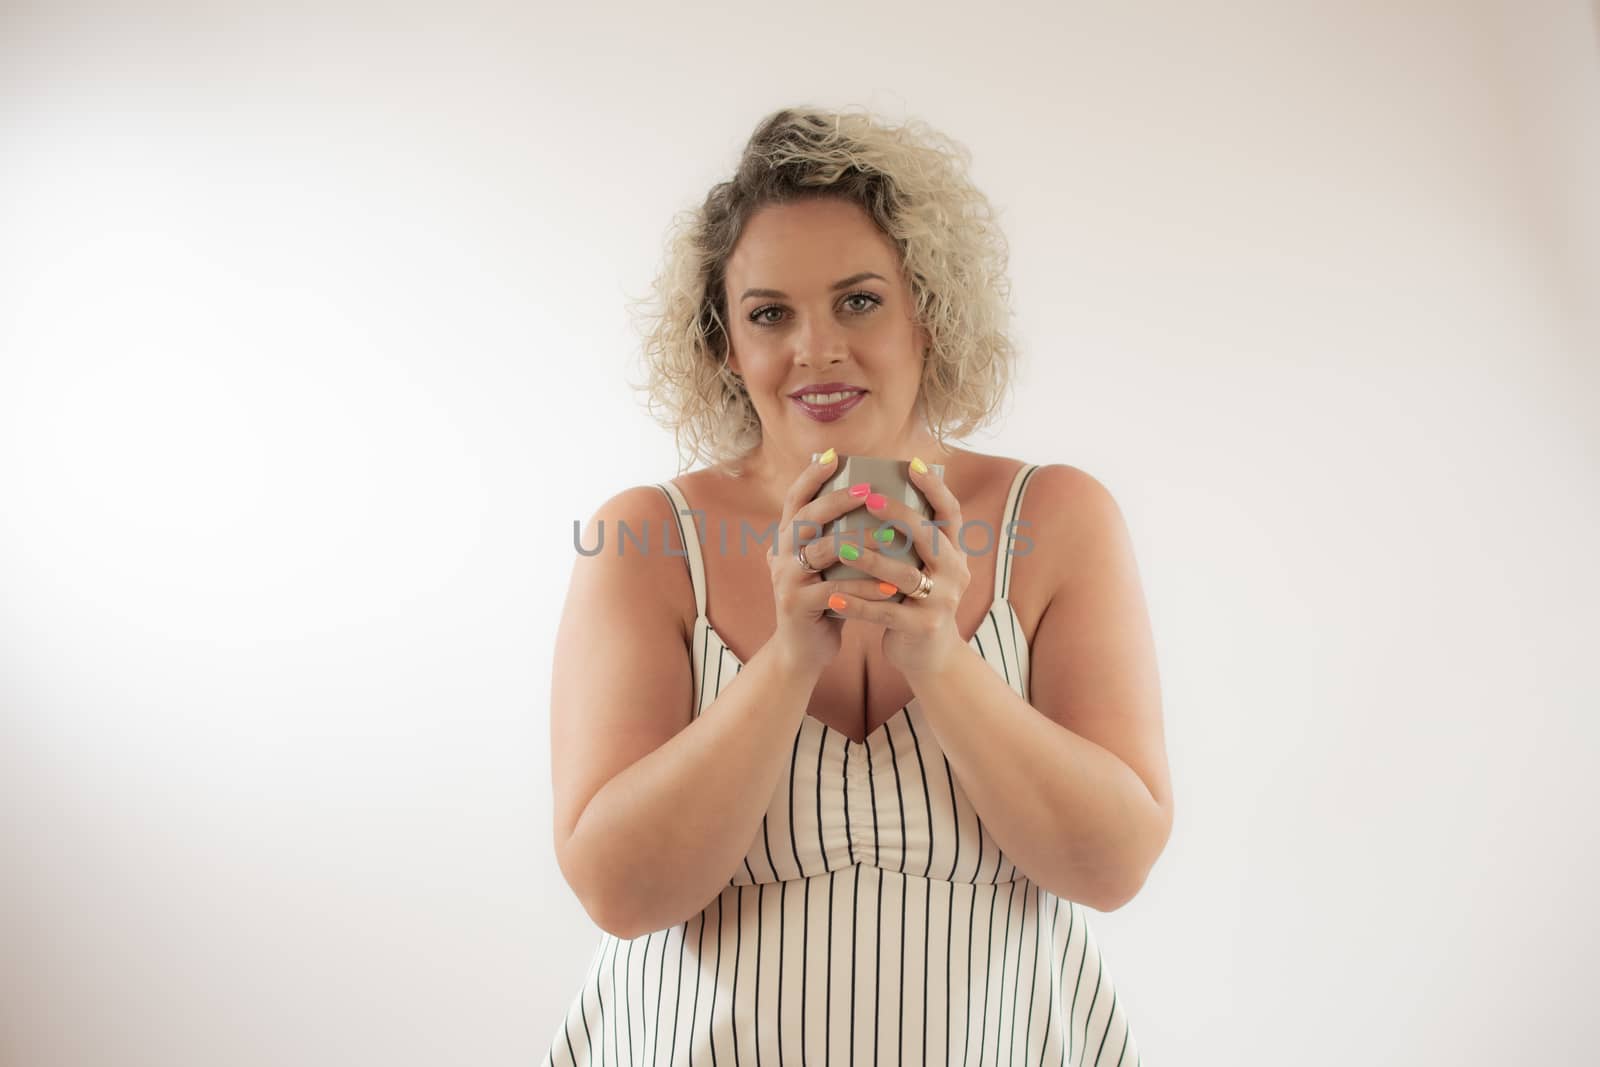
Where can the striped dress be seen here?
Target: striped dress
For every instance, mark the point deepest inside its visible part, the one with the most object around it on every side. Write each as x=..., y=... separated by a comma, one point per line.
x=873, y=920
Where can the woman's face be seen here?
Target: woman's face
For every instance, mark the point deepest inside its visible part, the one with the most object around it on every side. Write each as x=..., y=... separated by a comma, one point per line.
x=817, y=303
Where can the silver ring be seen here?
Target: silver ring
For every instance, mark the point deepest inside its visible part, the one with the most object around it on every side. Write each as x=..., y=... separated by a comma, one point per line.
x=924, y=587
x=805, y=564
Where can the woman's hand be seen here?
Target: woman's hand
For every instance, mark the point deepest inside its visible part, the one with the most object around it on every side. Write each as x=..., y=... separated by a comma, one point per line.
x=806, y=636
x=920, y=636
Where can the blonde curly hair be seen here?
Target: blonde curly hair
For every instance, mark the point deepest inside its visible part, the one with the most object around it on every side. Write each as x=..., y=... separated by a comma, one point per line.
x=911, y=180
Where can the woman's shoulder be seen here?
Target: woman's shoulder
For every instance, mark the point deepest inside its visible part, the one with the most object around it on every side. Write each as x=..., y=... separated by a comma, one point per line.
x=1070, y=513
x=1062, y=483
x=635, y=540
x=1048, y=486
x=1061, y=495
x=1044, y=522
x=708, y=492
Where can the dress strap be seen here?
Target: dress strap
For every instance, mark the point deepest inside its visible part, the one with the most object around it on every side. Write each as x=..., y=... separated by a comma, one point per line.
x=1019, y=485
x=691, y=545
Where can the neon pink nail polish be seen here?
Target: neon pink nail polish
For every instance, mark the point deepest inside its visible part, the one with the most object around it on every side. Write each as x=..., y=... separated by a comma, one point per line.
x=877, y=502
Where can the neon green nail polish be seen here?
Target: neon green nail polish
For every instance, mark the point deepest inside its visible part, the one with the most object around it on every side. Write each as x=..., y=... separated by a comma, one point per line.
x=884, y=534
x=850, y=552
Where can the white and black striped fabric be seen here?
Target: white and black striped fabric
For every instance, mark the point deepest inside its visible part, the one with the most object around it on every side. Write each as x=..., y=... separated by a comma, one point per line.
x=872, y=921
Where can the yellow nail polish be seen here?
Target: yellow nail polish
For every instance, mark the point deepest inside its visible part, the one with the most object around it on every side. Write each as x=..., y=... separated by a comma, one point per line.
x=827, y=457
x=918, y=466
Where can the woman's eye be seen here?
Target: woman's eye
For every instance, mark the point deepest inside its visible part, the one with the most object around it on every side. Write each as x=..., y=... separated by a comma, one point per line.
x=870, y=301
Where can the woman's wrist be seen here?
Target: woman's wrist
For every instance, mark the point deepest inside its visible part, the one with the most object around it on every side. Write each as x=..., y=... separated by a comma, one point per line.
x=792, y=669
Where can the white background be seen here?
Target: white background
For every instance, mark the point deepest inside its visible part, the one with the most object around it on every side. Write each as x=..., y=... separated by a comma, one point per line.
x=314, y=343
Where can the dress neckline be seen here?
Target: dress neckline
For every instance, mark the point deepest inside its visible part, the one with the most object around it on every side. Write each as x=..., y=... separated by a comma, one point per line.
x=1013, y=506
x=1024, y=650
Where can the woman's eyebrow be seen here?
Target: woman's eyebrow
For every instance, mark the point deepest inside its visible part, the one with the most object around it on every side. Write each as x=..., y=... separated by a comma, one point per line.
x=843, y=283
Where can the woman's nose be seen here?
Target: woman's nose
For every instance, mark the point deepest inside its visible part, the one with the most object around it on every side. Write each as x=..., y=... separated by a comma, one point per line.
x=819, y=344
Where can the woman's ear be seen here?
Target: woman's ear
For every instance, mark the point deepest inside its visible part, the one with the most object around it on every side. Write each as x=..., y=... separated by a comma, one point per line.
x=731, y=371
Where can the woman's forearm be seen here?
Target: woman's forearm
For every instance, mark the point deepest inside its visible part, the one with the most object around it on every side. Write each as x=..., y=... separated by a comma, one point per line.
x=660, y=840
x=1070, y=814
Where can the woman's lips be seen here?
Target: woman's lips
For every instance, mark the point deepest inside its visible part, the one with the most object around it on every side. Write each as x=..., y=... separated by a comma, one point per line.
x=828, y=412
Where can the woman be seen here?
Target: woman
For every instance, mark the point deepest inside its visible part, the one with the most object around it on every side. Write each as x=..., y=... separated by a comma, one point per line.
x=813, y=839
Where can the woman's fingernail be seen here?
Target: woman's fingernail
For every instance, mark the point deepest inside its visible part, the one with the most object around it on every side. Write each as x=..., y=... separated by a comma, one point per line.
x=918, y=466
x=860, y=489
x=887, y=589
x=827, y=457
x=884, y=534
x=837, y=602
x=850, y=552
x=876, y=502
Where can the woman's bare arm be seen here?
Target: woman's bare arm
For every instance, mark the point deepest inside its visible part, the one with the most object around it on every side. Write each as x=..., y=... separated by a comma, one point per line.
x=655, y=807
